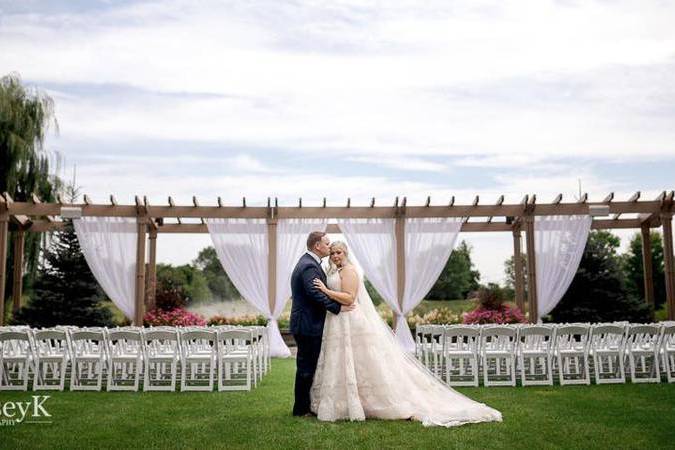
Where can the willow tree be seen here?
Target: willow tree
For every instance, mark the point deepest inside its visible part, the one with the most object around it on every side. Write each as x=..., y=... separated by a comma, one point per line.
x=26, y=115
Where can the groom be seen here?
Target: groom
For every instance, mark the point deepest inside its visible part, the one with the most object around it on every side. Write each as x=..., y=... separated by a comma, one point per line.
x=308, y=314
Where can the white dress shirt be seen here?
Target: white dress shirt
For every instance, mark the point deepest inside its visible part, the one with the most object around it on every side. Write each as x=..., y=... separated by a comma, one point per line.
x=315, y=256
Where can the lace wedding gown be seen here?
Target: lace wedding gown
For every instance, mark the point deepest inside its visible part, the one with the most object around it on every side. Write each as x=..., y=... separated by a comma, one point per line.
x=362, y=372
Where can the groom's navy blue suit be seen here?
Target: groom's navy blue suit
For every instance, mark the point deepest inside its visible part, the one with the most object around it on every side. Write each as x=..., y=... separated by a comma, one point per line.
x=307, y=317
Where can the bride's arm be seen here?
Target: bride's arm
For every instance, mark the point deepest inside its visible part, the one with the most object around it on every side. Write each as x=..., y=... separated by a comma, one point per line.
x=350, y=287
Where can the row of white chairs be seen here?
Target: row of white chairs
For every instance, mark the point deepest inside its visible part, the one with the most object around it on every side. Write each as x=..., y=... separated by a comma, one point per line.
x=613, y=352
x=234, y=358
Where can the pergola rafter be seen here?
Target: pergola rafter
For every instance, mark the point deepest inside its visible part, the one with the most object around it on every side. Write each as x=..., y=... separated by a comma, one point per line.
x=38, y=216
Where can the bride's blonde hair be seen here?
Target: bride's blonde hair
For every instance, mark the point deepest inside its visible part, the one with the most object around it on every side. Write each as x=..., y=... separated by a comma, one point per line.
x=332, y=268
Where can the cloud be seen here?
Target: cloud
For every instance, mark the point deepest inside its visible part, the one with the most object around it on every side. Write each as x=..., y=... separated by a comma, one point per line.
x=402, y=162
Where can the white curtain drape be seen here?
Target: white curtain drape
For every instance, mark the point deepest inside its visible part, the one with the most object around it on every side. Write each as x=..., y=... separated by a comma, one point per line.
x=291, y=244
x=109, y=247
x=242, y=246
x=559, y=243
x=428, y=244
x=373, y=242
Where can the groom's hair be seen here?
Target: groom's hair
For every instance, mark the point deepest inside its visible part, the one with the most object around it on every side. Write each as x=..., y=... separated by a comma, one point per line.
x=313, y=238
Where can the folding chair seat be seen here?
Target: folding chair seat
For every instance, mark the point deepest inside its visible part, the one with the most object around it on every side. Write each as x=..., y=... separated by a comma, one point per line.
x=89, y=358
x=498, y=355
x=52, y=356
x=535, y=352
x=642, y=349
x=125, y=350
x=460, y=352
x=161, y=353
x=198, y=359
x=16, y=359
x=571, y=350
x=607, y=348
x=235, y=350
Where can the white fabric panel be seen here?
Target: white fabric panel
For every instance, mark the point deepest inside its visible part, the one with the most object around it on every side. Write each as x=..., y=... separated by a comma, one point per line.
x=291, y=244
x=373, y=242
x=428, y=244
x=109, y=247
x=242, y=247
x=559, y=243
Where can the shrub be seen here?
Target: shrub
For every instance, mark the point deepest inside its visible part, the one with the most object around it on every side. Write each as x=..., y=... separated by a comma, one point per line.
x=241, y=320
x=502, y=315
x=174, y=317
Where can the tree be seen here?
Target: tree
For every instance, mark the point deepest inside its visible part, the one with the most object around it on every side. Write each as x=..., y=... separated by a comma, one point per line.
x=65, y=290
x=25, y=117
x=633, y=268
x=186, y=280
x=458, y=277
x=510, y=272
x=219, y=283
x=598, y=291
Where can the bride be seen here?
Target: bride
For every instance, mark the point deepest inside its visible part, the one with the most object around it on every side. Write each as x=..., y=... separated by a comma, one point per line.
x=362, y=371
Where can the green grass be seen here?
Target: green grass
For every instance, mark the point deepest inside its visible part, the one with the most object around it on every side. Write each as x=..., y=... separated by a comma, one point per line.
x=456, y=306
x=607, y=416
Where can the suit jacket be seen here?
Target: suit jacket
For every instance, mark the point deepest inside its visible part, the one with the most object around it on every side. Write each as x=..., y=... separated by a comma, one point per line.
x=309, y=303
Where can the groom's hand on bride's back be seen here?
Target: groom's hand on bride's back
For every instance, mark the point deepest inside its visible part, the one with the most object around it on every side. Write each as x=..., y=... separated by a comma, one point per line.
x=347, y=308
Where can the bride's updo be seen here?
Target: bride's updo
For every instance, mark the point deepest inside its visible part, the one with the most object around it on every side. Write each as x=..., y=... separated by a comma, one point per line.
x=332, y=268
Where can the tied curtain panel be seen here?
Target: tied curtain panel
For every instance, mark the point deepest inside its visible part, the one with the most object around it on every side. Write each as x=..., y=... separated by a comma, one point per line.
x=428, y=244
x=559, y=243
x=242, y=246
x=109, y=247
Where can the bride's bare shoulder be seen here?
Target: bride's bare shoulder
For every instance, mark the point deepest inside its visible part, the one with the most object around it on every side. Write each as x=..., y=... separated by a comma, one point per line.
x=348, y=270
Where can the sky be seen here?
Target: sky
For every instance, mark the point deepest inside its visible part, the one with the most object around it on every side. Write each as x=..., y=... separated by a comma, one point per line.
x=353, y=99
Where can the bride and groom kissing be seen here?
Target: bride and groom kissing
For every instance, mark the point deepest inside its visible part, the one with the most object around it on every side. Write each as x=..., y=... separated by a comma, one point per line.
x=349, y=364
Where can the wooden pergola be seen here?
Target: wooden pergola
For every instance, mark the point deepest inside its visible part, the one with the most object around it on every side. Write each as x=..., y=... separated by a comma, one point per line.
x=36, y=216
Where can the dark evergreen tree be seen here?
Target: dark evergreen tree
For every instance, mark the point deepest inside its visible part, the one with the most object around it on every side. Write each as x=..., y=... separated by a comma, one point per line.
x=458, y=277
x=598, y=292
x=65, y=291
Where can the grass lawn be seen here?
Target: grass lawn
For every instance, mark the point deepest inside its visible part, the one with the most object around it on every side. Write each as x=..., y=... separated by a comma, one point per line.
x=608, y=416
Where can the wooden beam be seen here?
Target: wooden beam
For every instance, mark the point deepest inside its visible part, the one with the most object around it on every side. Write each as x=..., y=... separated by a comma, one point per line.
x=140, y=272
x=452, y=201
x=558, y=199
x=500, y=201
x=151, y=290
x=400, y=260
x=17, y=276
x=647, y=265
x=669, y=264
x=519, y=280
x=609, y=198
x=531, y=269
x=4, y=236
x=272, y=264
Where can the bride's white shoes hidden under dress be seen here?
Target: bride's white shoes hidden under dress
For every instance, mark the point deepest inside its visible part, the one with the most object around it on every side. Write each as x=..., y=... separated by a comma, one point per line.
x=363, y=373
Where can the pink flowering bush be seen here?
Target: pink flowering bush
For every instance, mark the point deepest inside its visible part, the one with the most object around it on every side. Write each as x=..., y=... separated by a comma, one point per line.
x=492, y=307
x=178, y=317
x=503, y=315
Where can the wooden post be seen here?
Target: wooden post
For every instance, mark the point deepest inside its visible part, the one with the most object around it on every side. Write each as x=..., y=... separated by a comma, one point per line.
x=4, y=230
x=518, y=269
x=400, y=261
x=531, y=269
x=669, y=268
x=272, y=263
x=152, y=270
x=647, y=264
x=140, y=272
x=17, y=278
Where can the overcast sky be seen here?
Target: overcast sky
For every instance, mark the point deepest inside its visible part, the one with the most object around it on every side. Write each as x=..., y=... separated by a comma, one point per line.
x=354, y=99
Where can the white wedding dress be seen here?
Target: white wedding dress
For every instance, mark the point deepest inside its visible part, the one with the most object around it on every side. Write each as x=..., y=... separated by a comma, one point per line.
x=363, y=373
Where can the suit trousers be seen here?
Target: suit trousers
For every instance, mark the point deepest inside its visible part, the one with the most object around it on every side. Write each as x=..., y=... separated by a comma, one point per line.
x=309, y=348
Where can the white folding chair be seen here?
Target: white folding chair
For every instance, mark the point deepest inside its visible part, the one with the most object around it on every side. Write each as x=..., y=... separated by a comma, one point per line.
x=607, y=348
x=668, y=351
x=235, y=350
x=161, y=353
x=642, y=343
x=571, y=351
x=52, y=355
x=198, y=359
x=535, y=352
x=460, y=352
x=89, y=356
x=498, y=355
x=125, y=350
x=16, y=359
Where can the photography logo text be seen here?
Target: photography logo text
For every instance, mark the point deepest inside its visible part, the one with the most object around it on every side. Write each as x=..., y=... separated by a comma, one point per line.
x=25, y=412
